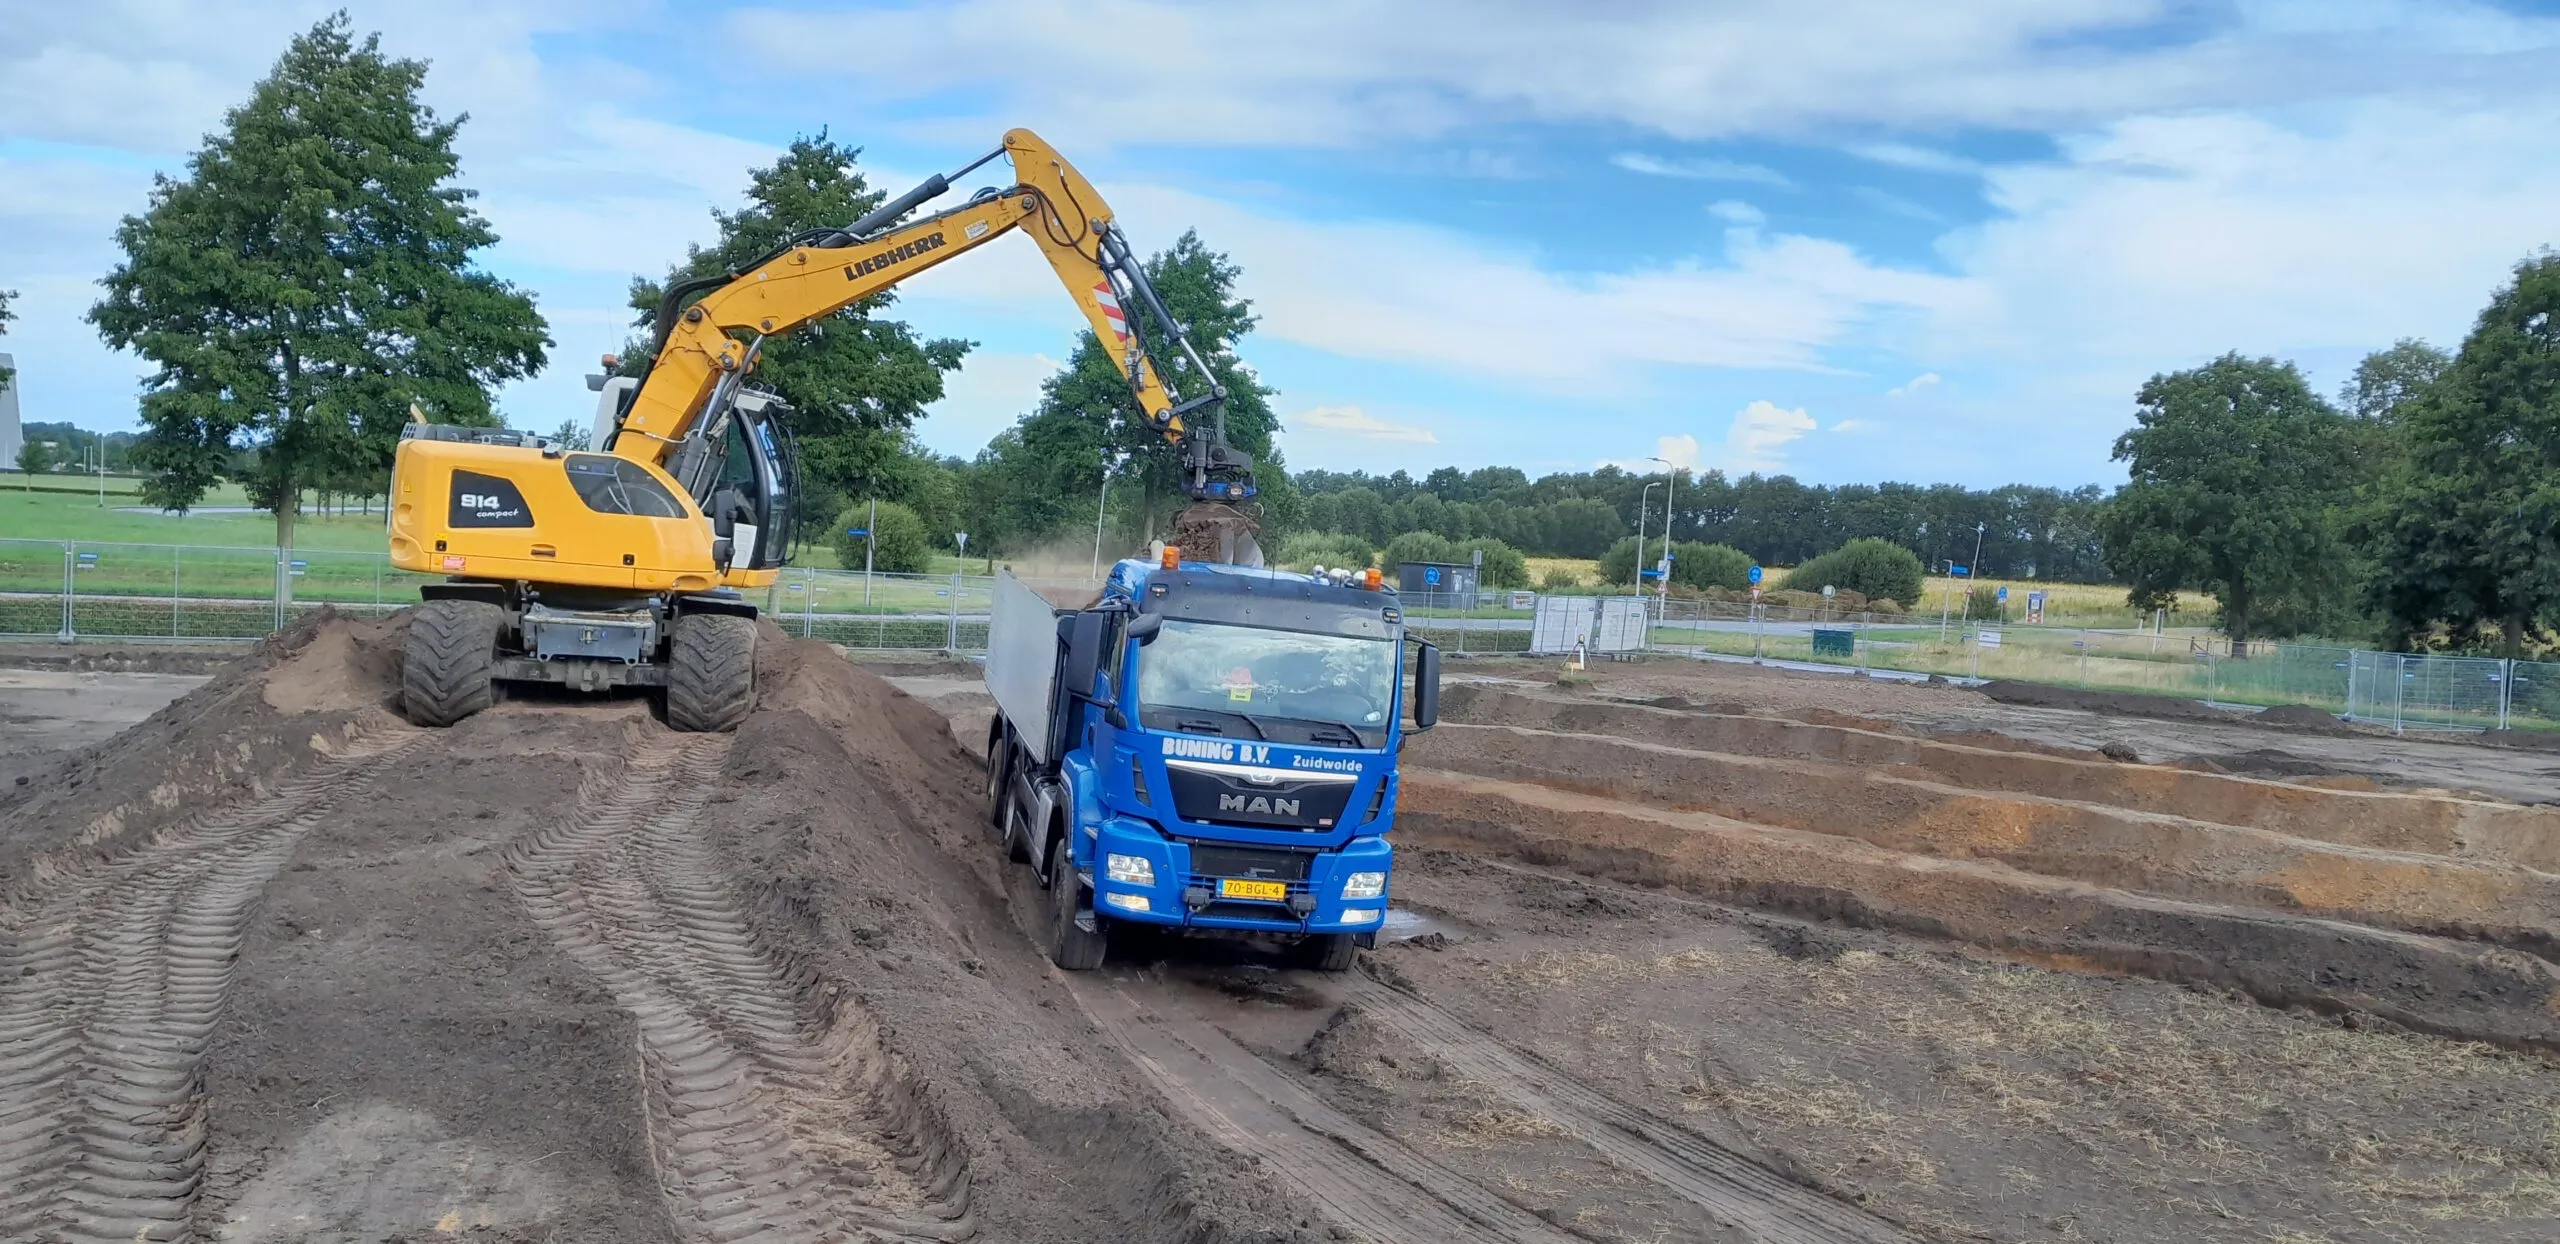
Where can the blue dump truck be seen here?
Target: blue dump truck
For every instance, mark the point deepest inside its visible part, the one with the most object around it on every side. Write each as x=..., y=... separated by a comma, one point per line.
x=1205, y=747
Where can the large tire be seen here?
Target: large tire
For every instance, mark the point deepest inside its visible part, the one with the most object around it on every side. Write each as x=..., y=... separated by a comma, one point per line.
x=1070, y=947
x=711, y=672
x=999, y=770
x=445, y=674
x=1328, y=952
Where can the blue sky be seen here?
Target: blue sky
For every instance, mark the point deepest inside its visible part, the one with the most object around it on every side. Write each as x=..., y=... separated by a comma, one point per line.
x=1856, y=241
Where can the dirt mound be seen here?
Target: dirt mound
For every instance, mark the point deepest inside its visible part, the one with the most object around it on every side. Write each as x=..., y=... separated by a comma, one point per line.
x=2113, y=703
x=206, y=747
x=2301, y=717
x=850, y=822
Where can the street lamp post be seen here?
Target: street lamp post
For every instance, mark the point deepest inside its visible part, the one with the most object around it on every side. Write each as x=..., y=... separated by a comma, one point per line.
x=1670, y=513
x=1644, y=505
x=1101, y=507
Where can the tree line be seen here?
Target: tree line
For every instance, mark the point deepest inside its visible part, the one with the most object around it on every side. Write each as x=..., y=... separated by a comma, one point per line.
x=2420, y=508
x=311, y=279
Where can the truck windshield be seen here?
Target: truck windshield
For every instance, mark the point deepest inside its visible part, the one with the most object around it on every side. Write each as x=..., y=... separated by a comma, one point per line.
x=1288, y=686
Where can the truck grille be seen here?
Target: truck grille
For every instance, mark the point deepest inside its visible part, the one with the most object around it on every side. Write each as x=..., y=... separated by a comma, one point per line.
x=1260, y=863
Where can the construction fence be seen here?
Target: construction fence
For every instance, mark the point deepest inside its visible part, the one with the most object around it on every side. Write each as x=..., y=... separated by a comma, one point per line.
x=75, y=591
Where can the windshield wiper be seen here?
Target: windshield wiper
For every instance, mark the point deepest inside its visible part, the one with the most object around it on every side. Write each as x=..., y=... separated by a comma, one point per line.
x=1321, y=728
x=1195, y=723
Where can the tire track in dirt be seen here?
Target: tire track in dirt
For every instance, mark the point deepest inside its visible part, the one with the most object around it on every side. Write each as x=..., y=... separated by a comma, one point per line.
x=1727, y=1185
x=773, y=1109
x=113, y=974
x=1361, y=1179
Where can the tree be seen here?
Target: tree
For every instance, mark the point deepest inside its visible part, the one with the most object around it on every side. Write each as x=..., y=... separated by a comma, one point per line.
x=1049, y=464
x=35, y=457
x=1419, y=546
x=2469, y=530
x=2386, y=381
x=1698, y=564
x=901, y=542
x=2240, y=475
x=308, y=280
x=1309, y=549
x=1873, y=568
x=573, y=436
x=856, y=380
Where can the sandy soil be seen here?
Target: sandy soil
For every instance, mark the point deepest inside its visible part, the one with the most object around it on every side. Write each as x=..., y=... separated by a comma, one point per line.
x=2231, y=742
x=1788, y=958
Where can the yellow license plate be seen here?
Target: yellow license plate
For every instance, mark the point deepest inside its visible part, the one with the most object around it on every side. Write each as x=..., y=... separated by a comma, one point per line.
x=1232, y=887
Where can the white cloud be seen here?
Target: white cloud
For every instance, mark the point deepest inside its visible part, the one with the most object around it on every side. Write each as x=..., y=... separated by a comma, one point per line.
x=1321, y=73
x=1703, y=168
x=1738, y=213
x=1355, y=422
x=1851, y=425
x=1895, y=205
x=1913, y=386
x=1919, y=159
x=1758, y=438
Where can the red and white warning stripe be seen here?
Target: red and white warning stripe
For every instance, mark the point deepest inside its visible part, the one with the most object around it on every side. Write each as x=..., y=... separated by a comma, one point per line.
x=1111, y=309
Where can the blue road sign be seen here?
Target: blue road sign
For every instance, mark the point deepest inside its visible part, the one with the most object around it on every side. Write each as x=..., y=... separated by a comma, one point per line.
x=857, y=531
x=88, y=557
x=2003, y=598
x=299, y=565
x=1431, y=576
x=1755, y=576
x=1649, y=574
x=1954, y=569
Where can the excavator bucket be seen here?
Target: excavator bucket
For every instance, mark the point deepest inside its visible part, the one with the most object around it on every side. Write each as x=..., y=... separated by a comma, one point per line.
x=1216, y=531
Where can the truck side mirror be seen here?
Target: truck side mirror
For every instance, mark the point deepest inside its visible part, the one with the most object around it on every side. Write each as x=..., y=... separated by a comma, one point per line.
x=1143, y=628
x=1426, y=687
x=1083, y=633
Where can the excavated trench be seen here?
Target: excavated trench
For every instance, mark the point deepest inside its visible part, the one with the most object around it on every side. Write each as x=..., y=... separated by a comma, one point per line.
x=2426, y=909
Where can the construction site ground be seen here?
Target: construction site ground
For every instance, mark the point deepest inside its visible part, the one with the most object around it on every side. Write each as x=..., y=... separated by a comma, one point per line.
x=1681, y=951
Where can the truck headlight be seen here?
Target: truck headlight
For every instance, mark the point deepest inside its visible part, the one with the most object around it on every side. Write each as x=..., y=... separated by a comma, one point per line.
x=1130, y=869
x=1364, y=885
x=1127, y=902
x=1359, y=915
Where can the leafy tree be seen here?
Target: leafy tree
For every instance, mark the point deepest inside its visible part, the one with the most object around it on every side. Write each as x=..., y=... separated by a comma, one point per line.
x=2240, y=476
x=2469, y=532
x=856, y=380
x=1419, y=546
x=573, y=436
x=1503, y=566
x=35, y=457
x=1309, y=549
x=1046, y=468
x=1618, y=564
x=1873, y=568
x=1698, y=564
x=2386, y=381
x=308, y=280
x=903, y=544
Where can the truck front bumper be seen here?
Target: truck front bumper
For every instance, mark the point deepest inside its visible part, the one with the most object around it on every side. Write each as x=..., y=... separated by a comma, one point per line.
x=1168, y=891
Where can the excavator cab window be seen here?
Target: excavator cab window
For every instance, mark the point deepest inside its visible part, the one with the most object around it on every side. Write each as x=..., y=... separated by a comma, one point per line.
x=611, y=485
x=754, y=479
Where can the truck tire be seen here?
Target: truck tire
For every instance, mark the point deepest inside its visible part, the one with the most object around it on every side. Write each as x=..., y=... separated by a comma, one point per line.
x=999, y=769
x=711, y=672
x=444, y=677
x=1070, y=947
x=1328, y=952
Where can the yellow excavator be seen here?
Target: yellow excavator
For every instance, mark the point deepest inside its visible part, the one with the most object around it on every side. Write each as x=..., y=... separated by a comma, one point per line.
x=628, y=566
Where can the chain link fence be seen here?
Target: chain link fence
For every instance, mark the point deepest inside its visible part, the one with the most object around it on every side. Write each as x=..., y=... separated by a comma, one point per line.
x=80, y=590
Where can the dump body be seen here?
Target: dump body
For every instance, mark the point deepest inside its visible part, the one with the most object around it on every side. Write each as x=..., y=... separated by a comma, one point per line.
x=1214, y=746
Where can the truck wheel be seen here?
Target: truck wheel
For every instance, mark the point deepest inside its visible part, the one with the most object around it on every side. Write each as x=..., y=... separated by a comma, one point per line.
x=1070, y=947
x=711, y=672
x=1328, y=952
x=999, y=768
x=444, y=677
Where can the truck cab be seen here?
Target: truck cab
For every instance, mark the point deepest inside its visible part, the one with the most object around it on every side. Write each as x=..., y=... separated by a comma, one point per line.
x=1205, y=747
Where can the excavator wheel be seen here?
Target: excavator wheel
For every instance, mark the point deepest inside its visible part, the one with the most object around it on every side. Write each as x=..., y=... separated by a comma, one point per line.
x=711, y=672
x=445, y=675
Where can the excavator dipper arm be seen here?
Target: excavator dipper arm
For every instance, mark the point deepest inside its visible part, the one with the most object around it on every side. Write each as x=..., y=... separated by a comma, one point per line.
x=706, y=349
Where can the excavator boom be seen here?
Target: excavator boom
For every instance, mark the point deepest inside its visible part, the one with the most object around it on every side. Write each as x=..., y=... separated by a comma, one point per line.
x=625, y=567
